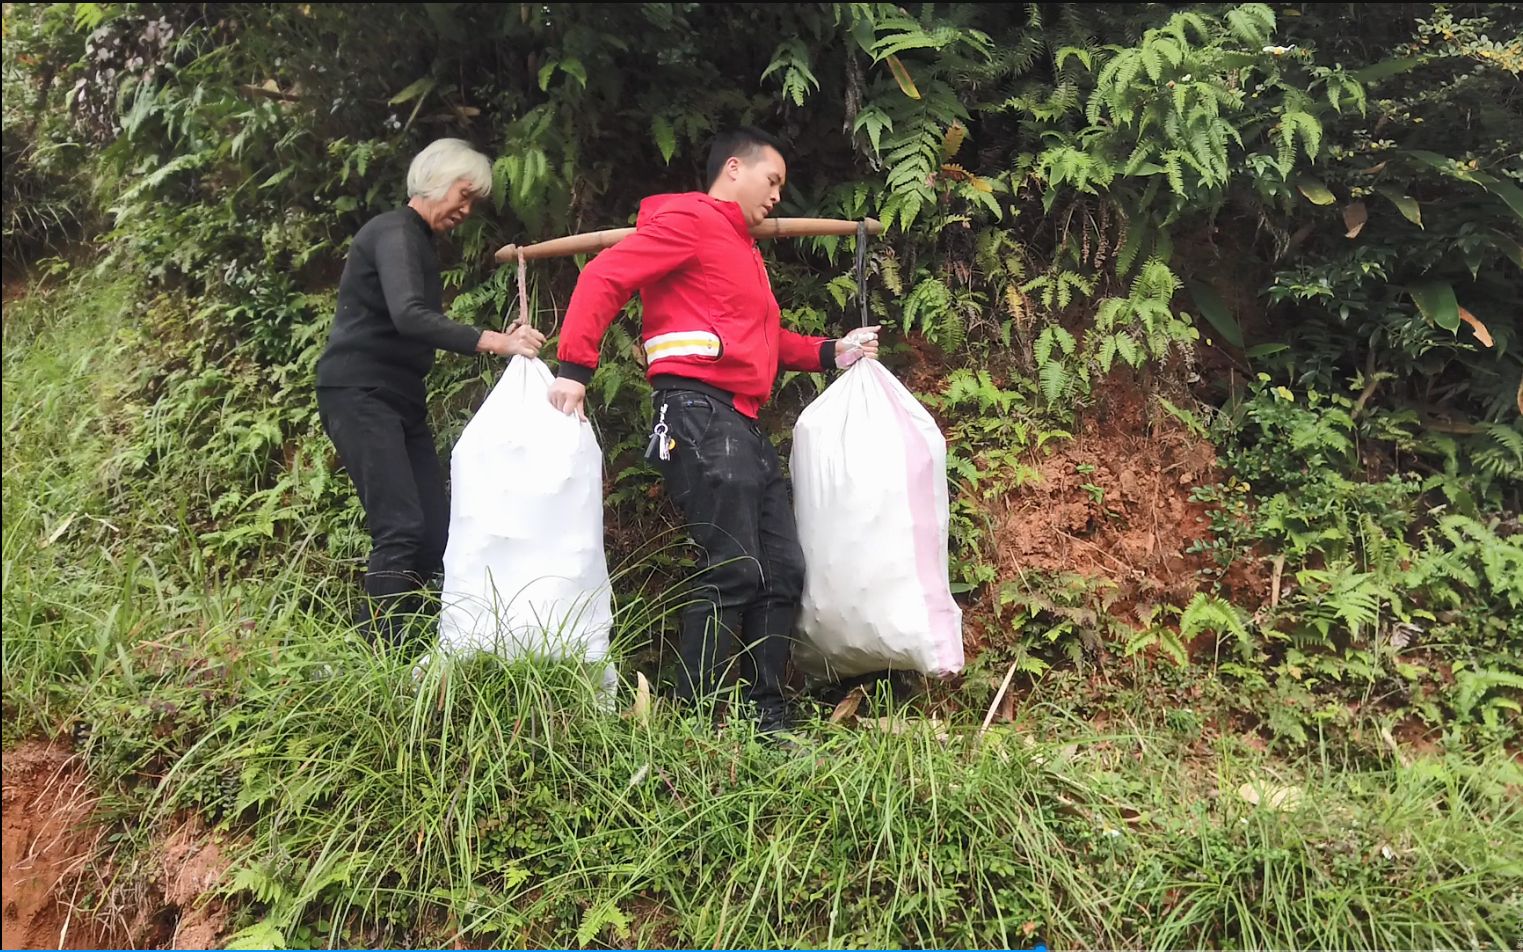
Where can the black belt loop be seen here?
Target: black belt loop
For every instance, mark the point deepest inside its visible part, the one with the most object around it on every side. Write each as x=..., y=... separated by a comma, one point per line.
x=862, y=268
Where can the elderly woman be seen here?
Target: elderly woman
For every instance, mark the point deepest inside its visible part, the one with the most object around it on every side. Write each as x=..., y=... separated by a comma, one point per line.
x=371, y=394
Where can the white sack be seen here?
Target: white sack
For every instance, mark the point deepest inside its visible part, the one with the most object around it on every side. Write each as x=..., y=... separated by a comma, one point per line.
x=870, y=496
x=524, y=570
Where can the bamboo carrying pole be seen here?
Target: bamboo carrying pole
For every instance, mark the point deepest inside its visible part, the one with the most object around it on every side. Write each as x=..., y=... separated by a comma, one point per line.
x=595, y=241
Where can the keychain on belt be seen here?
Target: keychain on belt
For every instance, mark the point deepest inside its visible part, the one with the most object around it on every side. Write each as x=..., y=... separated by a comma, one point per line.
x=659, y=443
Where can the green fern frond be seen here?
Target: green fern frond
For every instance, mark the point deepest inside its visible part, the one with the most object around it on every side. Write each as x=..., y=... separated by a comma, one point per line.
x=1128, y=349
x=1107, y=353
x=1253, y=23
x=1210, y=613
x=926, y=305
x=1055, y=381
x=1042, y=349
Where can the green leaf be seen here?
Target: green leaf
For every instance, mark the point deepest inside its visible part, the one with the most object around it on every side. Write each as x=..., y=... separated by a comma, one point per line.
x=87, y=16
x=1175, y=173
x=842, y=288
x=1065, y=339
x=1107, y=354
x=1506, y=191
x=1077, y=52
x=1190, y=420
x=179, y=163
x=876, y=122
x=1174, y=648
x=1251, y=23
x=1474, y=255
x=865, y=34
x=1042, y=350
x=913, y=39
x=1503, y=189
x=594, y=919
x=573, y=67
x=278, y=177
x=1310, y=129
x=260, y=935
x=1128, y=349
x=1405, y=204
x=1266, y=350
x=1315, y=191
x=1215, y=310
x=1054, y=378
x=792, y=60
x=1431, y=159
x=666, y=138
x=1136, y=236
x=1446, y=165
x=1437, y=302
x=1509, y=246
x=1209, y=613
x=1387, y=68
x=415, y=89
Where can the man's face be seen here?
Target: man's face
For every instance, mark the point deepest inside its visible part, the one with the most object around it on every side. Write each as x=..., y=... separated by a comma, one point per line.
x=758, y=183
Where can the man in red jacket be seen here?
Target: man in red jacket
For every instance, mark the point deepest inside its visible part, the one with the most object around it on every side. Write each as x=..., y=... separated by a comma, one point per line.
x=714, y=343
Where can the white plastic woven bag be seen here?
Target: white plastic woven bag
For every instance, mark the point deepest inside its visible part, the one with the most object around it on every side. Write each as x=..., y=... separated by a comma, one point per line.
x=524, y=571
x=870, y=497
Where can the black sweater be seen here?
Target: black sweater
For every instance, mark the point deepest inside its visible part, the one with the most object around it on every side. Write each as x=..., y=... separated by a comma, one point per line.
x=390, y=313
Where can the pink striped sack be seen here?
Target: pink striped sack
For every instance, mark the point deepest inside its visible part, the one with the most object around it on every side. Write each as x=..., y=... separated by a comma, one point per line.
x=870, y=495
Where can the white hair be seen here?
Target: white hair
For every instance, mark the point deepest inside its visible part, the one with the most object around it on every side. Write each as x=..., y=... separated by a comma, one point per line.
x=445, y=162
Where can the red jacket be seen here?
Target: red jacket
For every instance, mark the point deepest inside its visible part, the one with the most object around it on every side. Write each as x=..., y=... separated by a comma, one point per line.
x=709, y=313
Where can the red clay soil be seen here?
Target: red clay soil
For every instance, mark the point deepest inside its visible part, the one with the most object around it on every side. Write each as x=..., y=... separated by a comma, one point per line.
x=51, y=846
x=1135, y=527
x=1137, y=531
x=48, y=839
x=191, y=865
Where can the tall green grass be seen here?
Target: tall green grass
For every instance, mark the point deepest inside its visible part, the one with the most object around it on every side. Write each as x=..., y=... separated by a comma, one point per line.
x=497, y=803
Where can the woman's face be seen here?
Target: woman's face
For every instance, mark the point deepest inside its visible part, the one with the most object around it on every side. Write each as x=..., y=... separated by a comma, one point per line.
x=453, y=208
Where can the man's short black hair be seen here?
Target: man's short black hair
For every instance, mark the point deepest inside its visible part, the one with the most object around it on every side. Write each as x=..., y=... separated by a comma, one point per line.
x=745, y=142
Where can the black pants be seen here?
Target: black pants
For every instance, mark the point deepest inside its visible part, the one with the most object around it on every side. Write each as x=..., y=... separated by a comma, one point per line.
x=384, y=442
x=725, y=477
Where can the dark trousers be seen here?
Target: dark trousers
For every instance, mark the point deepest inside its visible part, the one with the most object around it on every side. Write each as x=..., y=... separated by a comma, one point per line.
x=726, y=478
x=384, y=442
